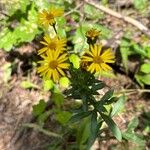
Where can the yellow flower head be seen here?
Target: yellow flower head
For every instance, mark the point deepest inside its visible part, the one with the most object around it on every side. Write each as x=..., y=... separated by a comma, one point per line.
x=53, y=65
x=96, y=60
x=52, y=44
x=47, y=18
x=92, y=34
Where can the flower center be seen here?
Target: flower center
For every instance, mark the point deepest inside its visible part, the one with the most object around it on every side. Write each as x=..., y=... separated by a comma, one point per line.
x=97, y=60
x=52, y=45
x=53, y=64
x=49, y=16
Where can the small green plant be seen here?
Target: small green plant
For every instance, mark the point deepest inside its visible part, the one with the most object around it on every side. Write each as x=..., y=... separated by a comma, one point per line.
x=129, y=48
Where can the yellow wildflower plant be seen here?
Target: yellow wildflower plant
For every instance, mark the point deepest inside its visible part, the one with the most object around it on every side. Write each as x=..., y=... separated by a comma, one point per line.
x=53, y=44
x=95, y=60
x=53, y=65
x=92, y=34
x=47, y=17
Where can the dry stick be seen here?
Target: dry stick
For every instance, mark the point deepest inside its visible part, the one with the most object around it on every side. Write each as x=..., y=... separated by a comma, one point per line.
x=130, y=20
x=74, y=10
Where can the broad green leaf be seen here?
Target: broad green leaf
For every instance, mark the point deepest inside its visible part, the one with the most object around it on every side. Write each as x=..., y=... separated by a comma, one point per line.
x=132, y=125
x=134, y=138
x=25, y=31
x=75, y=60
x=63, y=117
x=138, y=49
x=80, y=116
x=39, y=108
x=118, y=106
x=144, y=78
x=58, y=99
x=112, y=126
x=140, y=4
x=138, y=78
x=7, y=39
x=92, y=12
x=145, y=68
x=147, y=49
x=48, y=85
x=79, y=39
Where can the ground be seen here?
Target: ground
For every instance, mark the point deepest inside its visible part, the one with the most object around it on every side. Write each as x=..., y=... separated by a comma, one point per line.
x=16, y=108
x=16, y=102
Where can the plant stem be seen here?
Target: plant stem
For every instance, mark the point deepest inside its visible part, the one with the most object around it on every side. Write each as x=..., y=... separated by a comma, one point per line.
x=40, y=129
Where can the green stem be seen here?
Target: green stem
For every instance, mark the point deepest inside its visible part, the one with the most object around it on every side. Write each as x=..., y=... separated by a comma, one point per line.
x=40, y=129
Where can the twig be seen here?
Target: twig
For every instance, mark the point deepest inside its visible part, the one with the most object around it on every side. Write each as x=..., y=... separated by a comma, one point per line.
x=130, y=20
x=38, y=128
x=133, y=91
x=74, y=10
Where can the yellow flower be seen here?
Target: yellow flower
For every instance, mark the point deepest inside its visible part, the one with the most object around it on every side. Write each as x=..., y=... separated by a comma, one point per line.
x=47, y=18
x=92, y=34
x=53, y=65
x=95, y=60
x=52, y=44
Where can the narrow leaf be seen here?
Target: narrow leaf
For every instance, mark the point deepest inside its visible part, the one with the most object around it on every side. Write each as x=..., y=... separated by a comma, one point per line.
x=118, y=106
x=134, y=138
x=113, y=127
x=79, y=116
x=106, y=97
x=133, y=124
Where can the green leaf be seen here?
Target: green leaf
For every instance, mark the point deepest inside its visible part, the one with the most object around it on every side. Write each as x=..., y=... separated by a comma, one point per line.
x=80, y=116
x=48, y=85
x=113, y=127
x=134, y=138
x=140, y=4
x=124, y=54
x=98, y=86
x=145, y=68
x=75, y=60
x=58, y=99
x=144, y=78
x=138, y=49
x=138, y=78
x=39, y=108
x=147, y=49
x=83, y=132
x=63, y=117
x=94, y=129
x=107, y=96
x=7, y=39
x=43, y=117
x=133, y=124
x=118, y=106
x=94, y=122
x=92, y=12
